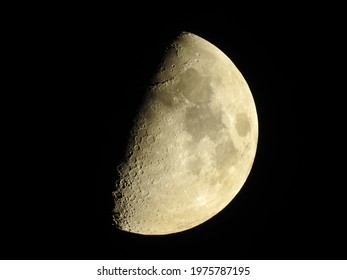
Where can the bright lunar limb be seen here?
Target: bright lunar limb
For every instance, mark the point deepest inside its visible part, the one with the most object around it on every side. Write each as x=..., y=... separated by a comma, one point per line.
x=193, y=142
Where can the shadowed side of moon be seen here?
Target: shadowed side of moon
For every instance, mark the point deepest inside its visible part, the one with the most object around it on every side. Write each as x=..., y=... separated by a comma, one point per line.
x=192, y=145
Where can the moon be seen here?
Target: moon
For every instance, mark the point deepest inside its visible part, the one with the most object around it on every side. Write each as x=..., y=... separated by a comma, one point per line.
x=192, y=145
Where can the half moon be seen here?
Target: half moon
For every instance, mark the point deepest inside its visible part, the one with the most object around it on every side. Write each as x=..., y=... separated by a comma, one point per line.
x=193, y=142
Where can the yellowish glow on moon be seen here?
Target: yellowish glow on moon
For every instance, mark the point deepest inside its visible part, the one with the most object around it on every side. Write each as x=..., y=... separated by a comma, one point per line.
x=193, y=143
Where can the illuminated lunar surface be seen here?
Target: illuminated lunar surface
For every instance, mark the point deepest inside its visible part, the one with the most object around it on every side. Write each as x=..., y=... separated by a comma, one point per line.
x=192, y=145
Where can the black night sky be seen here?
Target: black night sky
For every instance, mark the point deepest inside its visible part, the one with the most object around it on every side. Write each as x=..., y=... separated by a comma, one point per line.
x=290, y=206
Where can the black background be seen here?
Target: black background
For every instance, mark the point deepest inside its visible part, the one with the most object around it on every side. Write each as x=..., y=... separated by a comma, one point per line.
x=85, y=73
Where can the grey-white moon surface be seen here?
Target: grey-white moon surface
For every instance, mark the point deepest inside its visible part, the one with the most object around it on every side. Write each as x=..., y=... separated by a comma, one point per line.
x=192, y=145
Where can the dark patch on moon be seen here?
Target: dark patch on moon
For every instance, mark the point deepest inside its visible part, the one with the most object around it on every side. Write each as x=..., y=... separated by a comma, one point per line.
x=225, y=154
x=242, y=125
x=200, y=121
x=167, y=96
x=195, y=164
x=195, y=87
